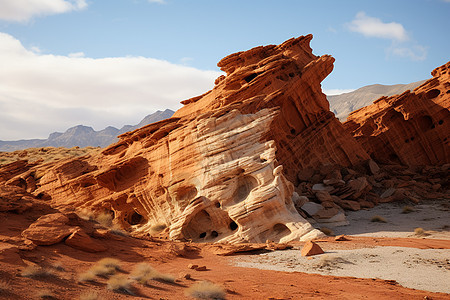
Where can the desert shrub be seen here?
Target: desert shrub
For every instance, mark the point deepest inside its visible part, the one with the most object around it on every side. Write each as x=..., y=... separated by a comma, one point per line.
x=419, y=231
x=116, y=229
x=91, y=295
x=407, y=209
x=120, y=283
x=378, y=219
x=110, y=263
x=144, y=272
x=157, y=228
x=105, y=219
x=88, y=276
x=206, y=290
x=36, y=271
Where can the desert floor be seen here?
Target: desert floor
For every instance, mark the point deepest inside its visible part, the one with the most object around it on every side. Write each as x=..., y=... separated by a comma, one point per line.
x=379, y=261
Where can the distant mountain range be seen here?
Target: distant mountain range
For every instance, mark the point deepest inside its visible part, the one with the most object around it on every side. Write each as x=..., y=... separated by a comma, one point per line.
x=342, y=105
x=83, y=136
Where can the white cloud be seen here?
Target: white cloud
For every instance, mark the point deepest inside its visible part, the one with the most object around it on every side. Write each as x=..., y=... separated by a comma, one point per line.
x=42, y=93
x=24, y=10
x=332, y=92
x=402, y=45
x=157, y=1
x=374, y=27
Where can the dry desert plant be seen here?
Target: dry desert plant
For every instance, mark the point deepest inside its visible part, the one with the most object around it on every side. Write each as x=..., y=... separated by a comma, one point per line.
x=36, y=271
x=420, y=232
x=206, y=290
x=120, y=283
x=407, y=209
x=105, y=219
x=157, y=228
x=88, y=276
x=91, y=295
x=144, y=272
x=378, y=219
x=110, y=263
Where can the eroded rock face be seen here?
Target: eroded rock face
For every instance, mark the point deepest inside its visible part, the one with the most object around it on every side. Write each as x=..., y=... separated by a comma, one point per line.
x=223, y=168
x=412, y=128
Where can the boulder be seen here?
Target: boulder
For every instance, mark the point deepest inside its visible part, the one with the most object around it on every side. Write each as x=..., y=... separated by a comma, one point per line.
x=48, y=230
x=79, y=239
x=311, y=248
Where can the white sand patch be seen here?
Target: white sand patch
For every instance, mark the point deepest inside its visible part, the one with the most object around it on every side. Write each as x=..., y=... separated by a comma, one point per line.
x=423, y=269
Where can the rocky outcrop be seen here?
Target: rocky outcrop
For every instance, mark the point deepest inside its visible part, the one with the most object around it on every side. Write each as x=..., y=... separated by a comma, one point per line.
x=223, y=168
x=410, y=129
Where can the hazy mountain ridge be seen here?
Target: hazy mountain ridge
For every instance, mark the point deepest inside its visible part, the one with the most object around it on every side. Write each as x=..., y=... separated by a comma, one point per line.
x=342, y=105
x=83, y=136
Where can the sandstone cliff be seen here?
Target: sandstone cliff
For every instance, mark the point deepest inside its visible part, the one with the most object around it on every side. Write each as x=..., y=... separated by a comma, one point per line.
x=412, y=128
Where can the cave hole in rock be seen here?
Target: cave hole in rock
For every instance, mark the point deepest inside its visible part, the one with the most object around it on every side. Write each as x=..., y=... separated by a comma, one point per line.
x=198, y=226
x=441, y=122
x=250, y=77
x=217, y=204
x=412, y=138
x=135, y=218
x=245, y=185
x=281, y=229
x=426, y=123
x=233, y=226
x=433, y=93
x=214, y=234
x=293, y=131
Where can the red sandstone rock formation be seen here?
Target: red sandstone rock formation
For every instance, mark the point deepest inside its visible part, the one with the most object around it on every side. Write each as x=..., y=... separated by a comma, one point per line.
x=223, y=168
x=412, y=128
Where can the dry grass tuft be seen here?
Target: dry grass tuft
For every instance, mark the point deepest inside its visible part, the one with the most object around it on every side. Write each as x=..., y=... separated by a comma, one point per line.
x=110, y=263
x=407, y=209
x=206, y=290
x=120, y=283
x=326, y=230
x=105, y=219
x=144, y=272
x=378, y=219
x=88, y=276
x=33, y=271
x=89, y=296
x=157, y=228
x=420, y=232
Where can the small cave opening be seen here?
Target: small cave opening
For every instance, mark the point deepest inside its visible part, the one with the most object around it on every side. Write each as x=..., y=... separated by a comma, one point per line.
x=281, y=229
x=217, y=204
x=293, y=131
x=441, y=122
x=250, y=77
x=245, y=185
x=202, y=235
x=135, y=218
x=233, y=226
x=433, y=93
x=214, y=234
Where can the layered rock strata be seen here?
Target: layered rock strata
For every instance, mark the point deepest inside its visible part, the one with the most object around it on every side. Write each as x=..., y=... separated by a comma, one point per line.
x=410, y=129
x=223, y=168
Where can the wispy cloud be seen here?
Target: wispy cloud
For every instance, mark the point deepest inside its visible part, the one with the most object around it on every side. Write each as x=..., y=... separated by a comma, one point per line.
x=23, y=11
x=42, y=93
x=374, y=27
x=402, y=44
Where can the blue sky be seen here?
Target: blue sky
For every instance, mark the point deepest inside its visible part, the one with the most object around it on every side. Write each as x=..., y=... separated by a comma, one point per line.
x=100, y=63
